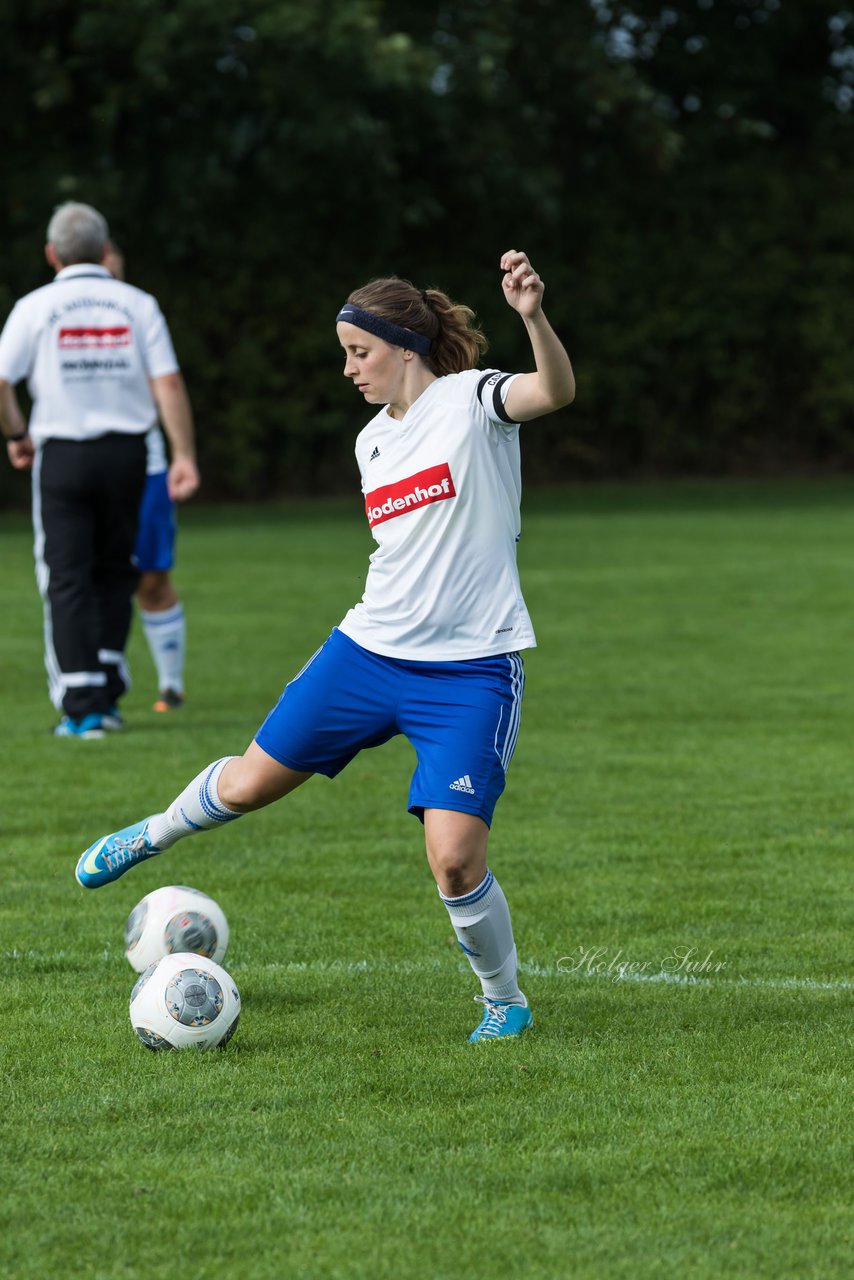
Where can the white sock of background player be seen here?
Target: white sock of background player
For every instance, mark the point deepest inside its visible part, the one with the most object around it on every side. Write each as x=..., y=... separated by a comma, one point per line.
x=166, y=633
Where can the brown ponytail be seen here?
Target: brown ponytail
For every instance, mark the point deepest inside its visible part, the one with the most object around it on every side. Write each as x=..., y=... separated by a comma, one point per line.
x=456, y=342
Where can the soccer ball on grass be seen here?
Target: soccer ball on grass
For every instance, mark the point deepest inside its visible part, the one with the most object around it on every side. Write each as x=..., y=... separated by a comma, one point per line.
x=172, y=919
x=184, y=1002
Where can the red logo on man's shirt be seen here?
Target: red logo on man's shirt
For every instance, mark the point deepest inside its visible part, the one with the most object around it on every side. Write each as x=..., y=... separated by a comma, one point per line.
x=433, y=485
x=84, y=339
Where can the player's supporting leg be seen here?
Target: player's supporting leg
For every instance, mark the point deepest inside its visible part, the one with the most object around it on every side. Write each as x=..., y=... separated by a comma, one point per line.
x=222, y=792
x=480, y=917
x=162, y=616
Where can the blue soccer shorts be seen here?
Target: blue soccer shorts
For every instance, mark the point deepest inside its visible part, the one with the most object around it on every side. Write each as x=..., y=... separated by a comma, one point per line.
x=155, y=536
x=462, y=718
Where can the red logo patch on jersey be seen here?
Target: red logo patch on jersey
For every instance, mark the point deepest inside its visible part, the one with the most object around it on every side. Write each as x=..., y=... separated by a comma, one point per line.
x=82, y=339
x=433, y=485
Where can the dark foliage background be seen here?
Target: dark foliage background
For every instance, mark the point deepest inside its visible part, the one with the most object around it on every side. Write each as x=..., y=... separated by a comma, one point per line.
x=680, y=174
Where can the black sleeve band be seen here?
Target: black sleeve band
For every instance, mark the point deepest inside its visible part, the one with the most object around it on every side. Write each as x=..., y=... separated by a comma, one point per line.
x=498, y=403
x=498, y=409
x=482, y=384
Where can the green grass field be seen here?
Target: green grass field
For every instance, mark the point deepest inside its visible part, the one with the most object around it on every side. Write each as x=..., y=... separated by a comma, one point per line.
x=681, y=796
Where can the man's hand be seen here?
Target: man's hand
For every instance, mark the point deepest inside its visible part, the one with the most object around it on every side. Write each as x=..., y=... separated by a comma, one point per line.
x=13, y=423
x=183, y=479
x=21, y=453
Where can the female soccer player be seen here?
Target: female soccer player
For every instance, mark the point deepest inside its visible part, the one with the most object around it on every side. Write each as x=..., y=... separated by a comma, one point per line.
x=432, y=649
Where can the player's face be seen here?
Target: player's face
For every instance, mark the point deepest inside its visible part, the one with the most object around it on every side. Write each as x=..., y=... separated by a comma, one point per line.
x=375, y=368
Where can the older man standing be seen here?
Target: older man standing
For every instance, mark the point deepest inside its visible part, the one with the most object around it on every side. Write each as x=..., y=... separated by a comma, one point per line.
x=100, y=368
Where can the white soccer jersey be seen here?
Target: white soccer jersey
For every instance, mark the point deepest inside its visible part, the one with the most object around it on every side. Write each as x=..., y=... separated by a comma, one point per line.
x=87, y=345
x=442, y=490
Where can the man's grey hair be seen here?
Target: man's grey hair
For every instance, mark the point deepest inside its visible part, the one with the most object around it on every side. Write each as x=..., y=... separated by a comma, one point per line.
x=78, y=233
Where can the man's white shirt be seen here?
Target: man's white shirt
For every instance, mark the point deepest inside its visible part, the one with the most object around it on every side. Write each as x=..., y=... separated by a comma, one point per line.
x=87, y=345
x=442, y=493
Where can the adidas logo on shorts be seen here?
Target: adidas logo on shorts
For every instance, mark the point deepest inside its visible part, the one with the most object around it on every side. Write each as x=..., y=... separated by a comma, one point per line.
x=463, y=784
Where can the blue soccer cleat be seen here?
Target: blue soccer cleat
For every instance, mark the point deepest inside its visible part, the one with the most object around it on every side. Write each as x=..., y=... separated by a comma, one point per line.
x=112, y=720
x=501, y=1021
x=111, y=856
x=86, y=727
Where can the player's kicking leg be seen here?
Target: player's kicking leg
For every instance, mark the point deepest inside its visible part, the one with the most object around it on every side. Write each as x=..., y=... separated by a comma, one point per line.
x=223, y=791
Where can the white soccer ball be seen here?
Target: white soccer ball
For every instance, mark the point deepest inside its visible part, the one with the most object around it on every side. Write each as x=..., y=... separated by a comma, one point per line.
x=172, y=919
x=184, y=1002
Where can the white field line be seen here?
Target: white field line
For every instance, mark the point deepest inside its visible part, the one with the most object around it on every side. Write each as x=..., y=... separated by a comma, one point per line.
x=551, y=972
x=548, y=972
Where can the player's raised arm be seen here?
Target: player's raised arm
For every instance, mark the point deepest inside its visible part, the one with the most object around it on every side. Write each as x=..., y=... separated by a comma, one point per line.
x=553, y=385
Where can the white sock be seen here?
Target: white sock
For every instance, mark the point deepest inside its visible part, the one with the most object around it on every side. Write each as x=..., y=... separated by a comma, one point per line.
x=166, y=633
x=197, y=808
x=481, y=921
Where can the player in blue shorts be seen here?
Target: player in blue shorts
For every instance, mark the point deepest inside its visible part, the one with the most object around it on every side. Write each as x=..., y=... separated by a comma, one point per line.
x=432, y=650
x=160, y=609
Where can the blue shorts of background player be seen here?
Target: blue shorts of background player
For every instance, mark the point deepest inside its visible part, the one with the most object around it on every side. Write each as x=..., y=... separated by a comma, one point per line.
x=154, y=550
x=462, y=718
x=160, y=608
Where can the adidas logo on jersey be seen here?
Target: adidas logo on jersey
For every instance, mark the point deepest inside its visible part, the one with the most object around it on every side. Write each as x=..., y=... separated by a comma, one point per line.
x=375, y=454
x=462, y=784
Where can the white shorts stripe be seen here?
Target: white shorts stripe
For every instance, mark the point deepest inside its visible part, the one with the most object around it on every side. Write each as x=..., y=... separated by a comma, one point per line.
x=518, y=682
x=303, y=670
x=511, y=733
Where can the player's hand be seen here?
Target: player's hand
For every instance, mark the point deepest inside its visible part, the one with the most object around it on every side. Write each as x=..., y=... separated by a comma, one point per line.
x=183, y=479
x=522, y=287
x=21, y=453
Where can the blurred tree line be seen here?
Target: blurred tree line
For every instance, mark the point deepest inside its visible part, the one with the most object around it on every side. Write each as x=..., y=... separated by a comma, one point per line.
x=680, y=174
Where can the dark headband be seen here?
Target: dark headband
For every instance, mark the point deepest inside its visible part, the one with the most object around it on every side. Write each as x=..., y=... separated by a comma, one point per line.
x=394, y=334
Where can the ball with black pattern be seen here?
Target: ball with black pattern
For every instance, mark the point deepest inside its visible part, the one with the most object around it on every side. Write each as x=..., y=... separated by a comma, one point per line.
x=191, y=931
x=194, y=998
x=184, y=1002
x=172, y=919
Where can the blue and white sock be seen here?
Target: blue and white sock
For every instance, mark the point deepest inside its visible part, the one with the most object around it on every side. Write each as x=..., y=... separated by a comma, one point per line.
x=481, y=921
x=166, y=633
x=197, y=808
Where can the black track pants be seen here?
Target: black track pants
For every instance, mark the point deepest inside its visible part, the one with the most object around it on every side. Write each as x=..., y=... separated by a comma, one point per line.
x=86, y=497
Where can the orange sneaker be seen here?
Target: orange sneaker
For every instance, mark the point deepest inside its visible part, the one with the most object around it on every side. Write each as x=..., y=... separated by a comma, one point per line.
x=169, y=700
